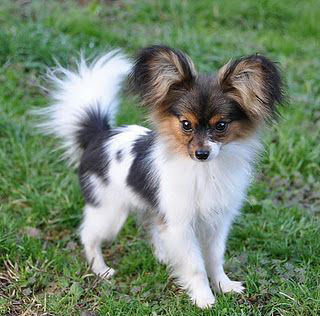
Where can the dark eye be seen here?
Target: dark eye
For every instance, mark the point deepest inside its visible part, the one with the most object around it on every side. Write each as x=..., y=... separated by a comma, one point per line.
x=186, y=126
x=221, y=126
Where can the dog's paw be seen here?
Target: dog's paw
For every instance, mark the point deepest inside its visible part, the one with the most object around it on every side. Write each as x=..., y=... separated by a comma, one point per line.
x=108, y=273
x=203, y=300
x=230, y=286
x=105, y=273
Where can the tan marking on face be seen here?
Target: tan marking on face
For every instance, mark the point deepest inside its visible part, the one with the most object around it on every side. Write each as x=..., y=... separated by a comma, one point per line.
x=215, y=119
x=191, y=118
x=170, y=129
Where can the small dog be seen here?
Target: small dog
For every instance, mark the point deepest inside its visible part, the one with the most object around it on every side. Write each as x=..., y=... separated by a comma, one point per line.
x=187, y=177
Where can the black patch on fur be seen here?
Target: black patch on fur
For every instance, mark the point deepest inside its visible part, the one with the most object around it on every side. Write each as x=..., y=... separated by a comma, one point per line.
x=87, y=189
x=139, y=177
x=94, y=133
x=95, y=160
x=93, y=124
x=236, y=113
x=119, y=155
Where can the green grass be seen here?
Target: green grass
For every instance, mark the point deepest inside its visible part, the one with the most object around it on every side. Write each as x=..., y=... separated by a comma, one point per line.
x=274, y=246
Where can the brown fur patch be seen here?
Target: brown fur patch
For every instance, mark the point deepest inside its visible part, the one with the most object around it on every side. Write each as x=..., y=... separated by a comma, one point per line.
x=191, y=118
x=215, y=119
x=170, y=129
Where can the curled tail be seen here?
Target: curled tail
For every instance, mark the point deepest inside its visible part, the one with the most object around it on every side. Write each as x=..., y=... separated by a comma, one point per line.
x=85, y=102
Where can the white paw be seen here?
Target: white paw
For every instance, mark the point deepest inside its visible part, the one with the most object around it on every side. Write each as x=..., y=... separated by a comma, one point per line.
x=203, y=300
x=105, y=273
x=230, y=286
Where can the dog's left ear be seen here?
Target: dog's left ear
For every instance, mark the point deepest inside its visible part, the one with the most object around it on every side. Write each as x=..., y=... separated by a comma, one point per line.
x=255, y=83
x=158, y=71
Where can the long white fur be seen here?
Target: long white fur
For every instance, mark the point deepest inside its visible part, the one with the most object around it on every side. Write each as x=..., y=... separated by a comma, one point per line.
x=198, y=200
x=94, y=86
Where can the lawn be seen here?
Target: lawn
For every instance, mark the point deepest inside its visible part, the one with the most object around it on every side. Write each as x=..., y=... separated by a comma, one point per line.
x=274, y=246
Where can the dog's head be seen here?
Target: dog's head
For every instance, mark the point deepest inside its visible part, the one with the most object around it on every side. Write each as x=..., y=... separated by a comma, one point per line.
x=197, y=114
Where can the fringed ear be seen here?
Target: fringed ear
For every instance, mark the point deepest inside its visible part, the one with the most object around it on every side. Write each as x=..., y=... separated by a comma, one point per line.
x=255, y=83
x=157, y=71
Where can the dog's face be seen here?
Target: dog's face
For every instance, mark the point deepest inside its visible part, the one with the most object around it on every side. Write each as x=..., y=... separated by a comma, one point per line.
x=198, y=114
x=201, y=119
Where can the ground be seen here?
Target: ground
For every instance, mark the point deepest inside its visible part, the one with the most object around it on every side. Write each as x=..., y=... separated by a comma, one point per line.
x=274, y=246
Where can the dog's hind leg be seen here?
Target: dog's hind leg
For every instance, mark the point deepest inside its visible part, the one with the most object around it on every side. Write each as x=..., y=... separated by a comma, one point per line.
x=101, y=223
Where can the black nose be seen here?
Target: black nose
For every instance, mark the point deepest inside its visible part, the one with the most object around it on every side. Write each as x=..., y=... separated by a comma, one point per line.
x=202, y=154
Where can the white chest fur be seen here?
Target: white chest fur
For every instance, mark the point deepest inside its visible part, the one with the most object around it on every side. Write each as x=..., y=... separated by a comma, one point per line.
x=189, y=189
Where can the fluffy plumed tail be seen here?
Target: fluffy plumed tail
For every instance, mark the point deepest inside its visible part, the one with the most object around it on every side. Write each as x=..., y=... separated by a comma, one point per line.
x=85, y=102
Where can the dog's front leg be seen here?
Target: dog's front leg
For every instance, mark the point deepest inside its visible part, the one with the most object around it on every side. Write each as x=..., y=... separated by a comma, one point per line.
x=186, y=262
x=214, y=246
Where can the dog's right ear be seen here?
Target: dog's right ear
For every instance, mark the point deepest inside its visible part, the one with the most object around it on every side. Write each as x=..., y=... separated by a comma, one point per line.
x=159, y=70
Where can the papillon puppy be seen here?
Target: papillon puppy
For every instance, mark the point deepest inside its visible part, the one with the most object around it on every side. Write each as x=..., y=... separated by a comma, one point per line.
x=187, y=177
